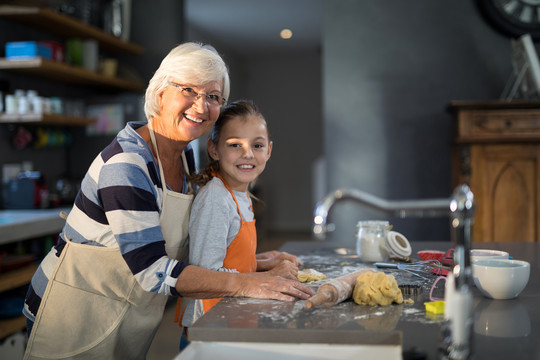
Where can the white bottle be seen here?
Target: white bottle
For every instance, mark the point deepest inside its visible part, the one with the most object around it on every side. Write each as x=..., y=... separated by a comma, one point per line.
x=11, y=104
x=21, y=102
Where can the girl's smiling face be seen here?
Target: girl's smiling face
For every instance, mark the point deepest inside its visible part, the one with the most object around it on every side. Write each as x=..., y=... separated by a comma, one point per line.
x=242, y=150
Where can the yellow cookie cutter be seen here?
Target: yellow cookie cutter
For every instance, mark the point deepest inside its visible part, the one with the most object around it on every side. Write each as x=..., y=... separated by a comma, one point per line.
x=435, y=307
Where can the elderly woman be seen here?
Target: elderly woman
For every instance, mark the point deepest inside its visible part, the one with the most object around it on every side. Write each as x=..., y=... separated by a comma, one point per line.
x=101, y=291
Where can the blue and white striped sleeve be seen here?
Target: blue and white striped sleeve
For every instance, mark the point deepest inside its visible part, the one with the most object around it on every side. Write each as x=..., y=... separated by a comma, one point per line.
x=131, y=203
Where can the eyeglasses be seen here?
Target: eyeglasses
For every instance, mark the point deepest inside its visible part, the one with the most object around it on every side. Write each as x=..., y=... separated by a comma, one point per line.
x=189, y=93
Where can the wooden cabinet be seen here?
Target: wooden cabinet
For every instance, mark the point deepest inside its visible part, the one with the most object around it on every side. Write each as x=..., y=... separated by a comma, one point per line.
x=496, y=150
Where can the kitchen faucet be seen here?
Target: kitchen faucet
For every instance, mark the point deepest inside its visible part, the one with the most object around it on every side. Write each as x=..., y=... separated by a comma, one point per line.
x=460, y=207
x=401, y=209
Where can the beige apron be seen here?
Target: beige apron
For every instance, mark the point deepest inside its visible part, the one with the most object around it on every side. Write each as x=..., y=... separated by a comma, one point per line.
x=93, y=308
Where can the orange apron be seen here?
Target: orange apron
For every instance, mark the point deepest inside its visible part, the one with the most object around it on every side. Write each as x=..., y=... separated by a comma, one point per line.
x=240, y=256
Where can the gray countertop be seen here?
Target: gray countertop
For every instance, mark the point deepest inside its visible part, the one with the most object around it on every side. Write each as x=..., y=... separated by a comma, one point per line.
x=16, y=225
x=503, y=328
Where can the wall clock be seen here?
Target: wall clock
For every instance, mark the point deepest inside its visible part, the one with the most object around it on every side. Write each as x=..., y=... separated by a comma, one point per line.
x=512, y=17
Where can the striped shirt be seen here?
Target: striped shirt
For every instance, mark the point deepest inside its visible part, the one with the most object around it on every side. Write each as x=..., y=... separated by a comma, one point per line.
x=118, y=206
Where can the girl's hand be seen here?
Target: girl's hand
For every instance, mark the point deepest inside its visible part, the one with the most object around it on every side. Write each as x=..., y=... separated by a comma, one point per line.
x=267, y=255
x=271, y=259
x=285, y=269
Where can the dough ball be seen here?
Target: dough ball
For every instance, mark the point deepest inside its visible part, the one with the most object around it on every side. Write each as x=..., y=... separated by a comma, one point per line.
x=376, y=288
x=307, y=275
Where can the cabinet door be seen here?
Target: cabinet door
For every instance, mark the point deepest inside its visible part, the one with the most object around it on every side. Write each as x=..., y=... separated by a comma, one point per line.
x=505, y=183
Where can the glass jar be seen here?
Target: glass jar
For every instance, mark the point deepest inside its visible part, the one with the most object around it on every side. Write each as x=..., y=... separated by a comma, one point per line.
x=371, y=240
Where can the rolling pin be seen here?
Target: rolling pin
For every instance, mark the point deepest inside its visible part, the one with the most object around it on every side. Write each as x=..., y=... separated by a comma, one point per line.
x=335, y=291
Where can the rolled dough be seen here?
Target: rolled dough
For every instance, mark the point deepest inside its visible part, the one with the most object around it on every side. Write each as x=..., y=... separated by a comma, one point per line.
x=307, y=275
x=376, y=288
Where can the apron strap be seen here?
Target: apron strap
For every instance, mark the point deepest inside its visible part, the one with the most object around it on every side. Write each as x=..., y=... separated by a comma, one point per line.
x=186, y=170
x=161, y=173
x=234, y=197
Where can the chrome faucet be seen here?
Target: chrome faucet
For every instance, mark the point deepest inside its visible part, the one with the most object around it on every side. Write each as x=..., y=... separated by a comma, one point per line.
x=401, y=209
x=460, y=207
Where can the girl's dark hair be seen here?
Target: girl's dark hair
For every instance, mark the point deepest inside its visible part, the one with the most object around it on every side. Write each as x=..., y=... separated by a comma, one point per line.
x=239, y=108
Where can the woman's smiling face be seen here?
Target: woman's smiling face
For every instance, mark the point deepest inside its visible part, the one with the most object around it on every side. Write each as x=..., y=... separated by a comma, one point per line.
x=185, y=118
x=242, y=150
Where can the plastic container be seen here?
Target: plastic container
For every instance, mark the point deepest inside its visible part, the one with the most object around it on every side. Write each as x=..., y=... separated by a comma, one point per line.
x=23, y=50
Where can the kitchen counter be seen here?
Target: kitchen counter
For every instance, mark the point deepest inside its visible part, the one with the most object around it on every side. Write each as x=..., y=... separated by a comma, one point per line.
x=503, y=329
x=16, y=225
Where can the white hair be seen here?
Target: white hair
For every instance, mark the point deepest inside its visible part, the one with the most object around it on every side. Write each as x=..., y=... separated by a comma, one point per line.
x=192, y=62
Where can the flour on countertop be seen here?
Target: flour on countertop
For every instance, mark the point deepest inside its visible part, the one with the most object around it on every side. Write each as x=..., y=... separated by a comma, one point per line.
x=294, y=315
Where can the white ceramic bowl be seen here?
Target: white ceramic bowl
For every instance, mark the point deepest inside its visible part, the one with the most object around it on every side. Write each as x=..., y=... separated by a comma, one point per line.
x=500, y=278
x=484, y=254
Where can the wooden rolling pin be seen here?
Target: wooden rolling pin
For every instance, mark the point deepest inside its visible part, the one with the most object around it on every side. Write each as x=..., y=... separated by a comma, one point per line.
x=335, y=291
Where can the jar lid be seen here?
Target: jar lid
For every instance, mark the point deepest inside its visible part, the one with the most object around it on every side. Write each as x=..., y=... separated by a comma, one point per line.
x=373, y=225
x=398, y=244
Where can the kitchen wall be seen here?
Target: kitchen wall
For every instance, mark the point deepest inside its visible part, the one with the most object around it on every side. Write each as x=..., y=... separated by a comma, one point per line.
x=372, y=101
x=385, y=75
x=287, y=89
x=390, y=70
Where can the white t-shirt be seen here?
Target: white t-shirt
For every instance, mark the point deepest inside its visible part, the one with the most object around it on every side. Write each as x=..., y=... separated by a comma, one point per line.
x=214, y=224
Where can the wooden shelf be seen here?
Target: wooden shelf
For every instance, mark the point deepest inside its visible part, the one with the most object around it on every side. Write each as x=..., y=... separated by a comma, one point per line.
x=68, y=74
x=66, y=26
x=15, y=278
x=11, y=280
x=46, y=119
x=11, y=326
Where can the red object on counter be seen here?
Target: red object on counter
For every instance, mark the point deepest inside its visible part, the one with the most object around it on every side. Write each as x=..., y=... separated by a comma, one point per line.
x=445, y=258
x=440, y=272
x=431, y=255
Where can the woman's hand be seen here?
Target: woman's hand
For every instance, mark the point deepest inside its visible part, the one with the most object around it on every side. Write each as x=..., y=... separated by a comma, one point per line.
x=265, y=286
x=201, y=283
x=271, y=259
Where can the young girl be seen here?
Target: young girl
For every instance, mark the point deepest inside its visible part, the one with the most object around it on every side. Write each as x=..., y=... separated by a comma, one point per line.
x=222, y=226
